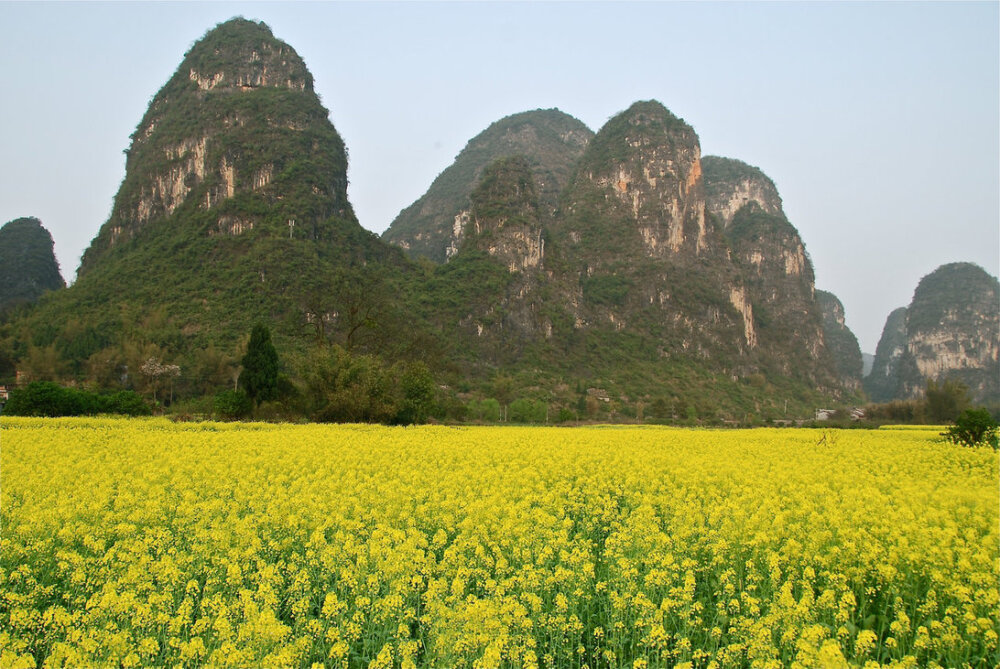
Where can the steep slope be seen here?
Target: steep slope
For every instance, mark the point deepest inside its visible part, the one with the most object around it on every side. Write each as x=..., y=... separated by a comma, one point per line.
x=953, y=331
x=840, y=341
x=496, y=286
x=549, y=140
x=233, y=210
x=774, y=269
x=732, y=184
x=882, y=383
x=28, y=265
x=235, y=143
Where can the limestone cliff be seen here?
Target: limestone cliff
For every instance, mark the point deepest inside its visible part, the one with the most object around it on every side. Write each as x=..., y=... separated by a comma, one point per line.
x=233, y=210
x=882, y=383
x=953, y=331
x=235, y=143
x=839, y=339
x=774, y=270
x=731, y=184
x=502, y=255
x=28, y=265
x=549, y=140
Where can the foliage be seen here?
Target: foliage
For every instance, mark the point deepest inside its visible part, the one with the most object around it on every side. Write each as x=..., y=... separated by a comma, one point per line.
x=157, y=544
x=417, y=393
x=45, y=398
x=974, y=427
x=484, y=411
x=606, y=289
x=945, y=400
x=523, y=410
x=259, y=378
x=343, y=387
x=232, y=405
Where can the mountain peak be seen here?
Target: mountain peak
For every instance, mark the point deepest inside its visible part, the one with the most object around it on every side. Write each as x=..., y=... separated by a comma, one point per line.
x=239, y=54
x=549, y=140
x=732, y=184
x=28, y=266
x=235, y=143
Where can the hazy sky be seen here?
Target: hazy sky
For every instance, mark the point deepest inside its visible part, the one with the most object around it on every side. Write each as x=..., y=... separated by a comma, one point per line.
x=879, y=122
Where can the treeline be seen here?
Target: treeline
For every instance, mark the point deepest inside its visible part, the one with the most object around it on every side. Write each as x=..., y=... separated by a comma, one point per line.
x=45, y=398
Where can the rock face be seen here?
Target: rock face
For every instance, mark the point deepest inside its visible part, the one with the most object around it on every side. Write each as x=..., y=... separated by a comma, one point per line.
x=233, y=211
x=774, y=270
x=640, y=259
x=501, y=255
x=732, y=184
x=549, y=140
x=236, y=142
x=882, y=383
x=951, y=331
x=840, y=341
x=28, y=265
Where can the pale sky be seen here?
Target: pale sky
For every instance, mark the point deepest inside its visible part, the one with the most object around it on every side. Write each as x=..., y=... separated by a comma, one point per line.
x=878, y=122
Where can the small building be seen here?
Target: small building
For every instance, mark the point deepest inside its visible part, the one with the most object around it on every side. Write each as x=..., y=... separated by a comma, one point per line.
x=825, y=414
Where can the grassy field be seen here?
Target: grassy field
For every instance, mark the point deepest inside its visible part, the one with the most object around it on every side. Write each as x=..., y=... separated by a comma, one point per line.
x=144, y=542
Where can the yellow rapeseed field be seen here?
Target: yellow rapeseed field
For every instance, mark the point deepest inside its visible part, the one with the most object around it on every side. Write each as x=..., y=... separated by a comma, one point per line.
x=147, y=543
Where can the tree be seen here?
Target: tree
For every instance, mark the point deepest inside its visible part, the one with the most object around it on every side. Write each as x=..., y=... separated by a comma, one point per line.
x=417, y=389
x=259, y=378
x=946, y=400
x=973, y=428
x=156, y=370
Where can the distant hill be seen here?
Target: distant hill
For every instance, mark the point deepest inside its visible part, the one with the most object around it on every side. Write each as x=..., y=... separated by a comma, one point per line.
x=550, y=141
x=951, y=330
x=840, y=341
x=28, y=265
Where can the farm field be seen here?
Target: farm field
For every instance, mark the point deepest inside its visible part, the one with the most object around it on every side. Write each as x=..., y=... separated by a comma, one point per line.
x=143, y=542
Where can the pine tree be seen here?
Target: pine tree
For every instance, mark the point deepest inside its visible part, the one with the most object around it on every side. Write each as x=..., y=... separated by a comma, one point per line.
x=259, y=378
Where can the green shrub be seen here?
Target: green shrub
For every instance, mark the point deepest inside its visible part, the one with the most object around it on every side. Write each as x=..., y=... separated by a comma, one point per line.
x=125, y=403
x=528, y=411
x=45, y=398
x=232, y=405
x=974, y=427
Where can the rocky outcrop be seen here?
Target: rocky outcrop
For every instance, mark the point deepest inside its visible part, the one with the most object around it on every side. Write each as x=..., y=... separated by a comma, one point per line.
x=882, y=383
x=237, y=130
x=774, y=269
x=643, y=171
x=953, y=332
x=28, y=265
x=549, y=140
x=502, y=243
x=840, y=341
x=504, y=218
x=731, y=184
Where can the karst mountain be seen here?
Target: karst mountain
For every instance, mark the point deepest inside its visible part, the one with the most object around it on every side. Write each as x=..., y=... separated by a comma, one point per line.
x=565, y=263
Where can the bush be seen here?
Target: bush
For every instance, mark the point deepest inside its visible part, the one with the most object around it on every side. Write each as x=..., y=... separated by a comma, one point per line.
x=125, y=403
x=45, y=398
x=485, y=411
x=974, y=427
x=566, y=415
x=528, y=411
x=232, y=405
